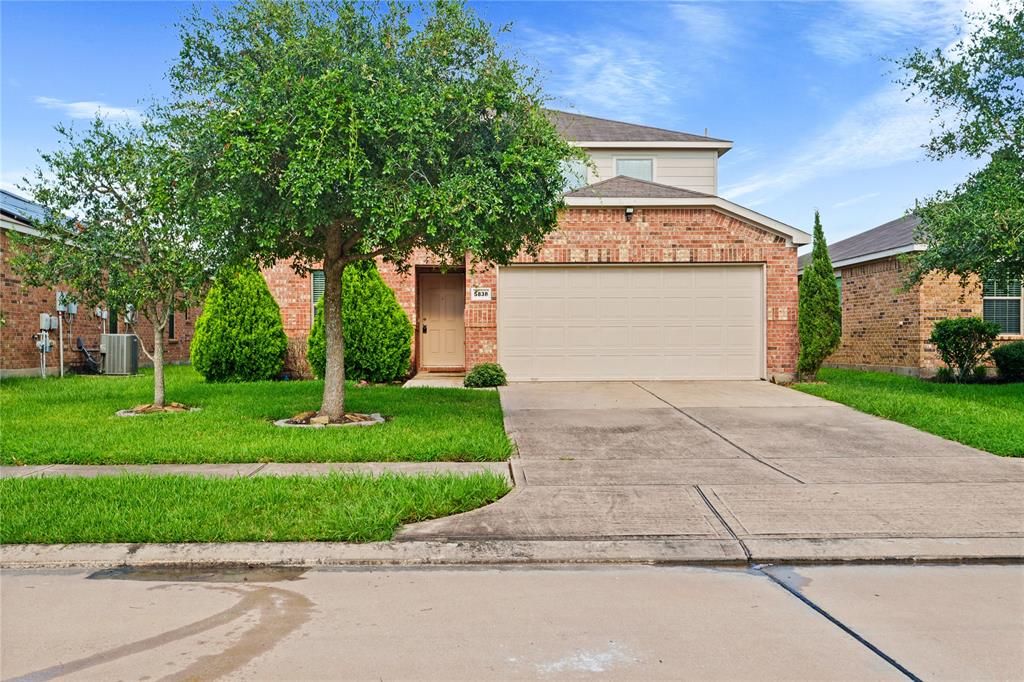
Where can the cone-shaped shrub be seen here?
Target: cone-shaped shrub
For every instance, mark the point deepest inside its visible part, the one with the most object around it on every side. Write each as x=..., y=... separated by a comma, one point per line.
x=239, y=336
x=378, y=334
x=819, y=319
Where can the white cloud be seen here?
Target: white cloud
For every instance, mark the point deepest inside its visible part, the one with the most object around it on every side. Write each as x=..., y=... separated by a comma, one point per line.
x=616, y=76
x=881, y=130
x=856, y=200
x=89, y=109
x=705, y=23
x=868, y=29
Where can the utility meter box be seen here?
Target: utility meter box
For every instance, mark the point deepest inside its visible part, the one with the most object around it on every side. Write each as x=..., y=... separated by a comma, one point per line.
x=120, y=353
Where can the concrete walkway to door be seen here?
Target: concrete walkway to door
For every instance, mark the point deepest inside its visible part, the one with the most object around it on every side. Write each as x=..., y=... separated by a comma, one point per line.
x=734, y=470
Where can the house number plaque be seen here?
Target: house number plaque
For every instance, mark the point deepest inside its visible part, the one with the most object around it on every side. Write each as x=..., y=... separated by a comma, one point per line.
x=480, y=294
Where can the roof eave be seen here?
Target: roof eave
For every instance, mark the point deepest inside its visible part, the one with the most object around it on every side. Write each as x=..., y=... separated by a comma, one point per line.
x=722, y=146
x=875, y=255
x=794, y=236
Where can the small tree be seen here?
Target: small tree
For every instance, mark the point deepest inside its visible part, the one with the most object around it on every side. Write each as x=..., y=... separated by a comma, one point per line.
x=239, y=336
x=132, y=240
x=333, y=132
x=962, y=343
x=378, y=334
x=978, y=228
x=820, y=316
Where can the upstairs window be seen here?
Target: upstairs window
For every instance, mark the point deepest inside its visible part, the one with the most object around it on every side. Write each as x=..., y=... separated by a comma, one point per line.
x=641, y=169
x=318, y=288
x=574, y=175
x=1001, y=303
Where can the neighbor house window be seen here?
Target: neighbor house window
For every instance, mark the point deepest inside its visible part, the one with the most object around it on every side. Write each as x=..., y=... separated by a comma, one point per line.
x=318, y=288
x=574, y=175
x=170, y=326
x=1001, y=303
x=839, y=285
x=641, y=169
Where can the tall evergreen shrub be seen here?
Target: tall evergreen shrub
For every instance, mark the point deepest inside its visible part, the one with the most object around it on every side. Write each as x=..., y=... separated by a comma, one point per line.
x=378, y=334
x=239, y=336
x=819, y=322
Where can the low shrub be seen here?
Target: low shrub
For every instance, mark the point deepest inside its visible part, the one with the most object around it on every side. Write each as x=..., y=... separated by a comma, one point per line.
x=378, y=334
x=962, y=343
x=239, y=335
x=1009, y=360
x=485, y=375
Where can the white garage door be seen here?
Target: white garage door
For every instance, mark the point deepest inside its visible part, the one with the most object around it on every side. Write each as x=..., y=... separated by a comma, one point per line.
x=631, y=322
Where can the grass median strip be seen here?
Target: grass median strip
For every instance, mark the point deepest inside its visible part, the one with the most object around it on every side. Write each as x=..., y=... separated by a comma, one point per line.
x=985, y=416
x=132, y=508
x=71, y=421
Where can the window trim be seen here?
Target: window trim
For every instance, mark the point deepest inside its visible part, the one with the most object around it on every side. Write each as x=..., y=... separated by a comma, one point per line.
x=1020, y=310
x=635, y=157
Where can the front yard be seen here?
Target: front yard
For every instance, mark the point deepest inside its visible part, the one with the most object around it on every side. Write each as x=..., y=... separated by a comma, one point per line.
x=985, y=416
x=72, y=421
x=132, y=508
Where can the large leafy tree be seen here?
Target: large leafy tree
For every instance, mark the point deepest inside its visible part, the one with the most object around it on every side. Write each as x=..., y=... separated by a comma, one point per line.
x=118, y=229
x=976, y=88
x=819, y=323
x=331, y=132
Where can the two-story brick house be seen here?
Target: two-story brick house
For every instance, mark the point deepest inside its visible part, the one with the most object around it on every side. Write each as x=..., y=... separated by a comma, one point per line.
x=886, y=325
x=650, y=275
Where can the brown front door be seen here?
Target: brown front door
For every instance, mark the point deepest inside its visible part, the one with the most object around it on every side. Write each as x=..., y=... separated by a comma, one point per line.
x=442, y=325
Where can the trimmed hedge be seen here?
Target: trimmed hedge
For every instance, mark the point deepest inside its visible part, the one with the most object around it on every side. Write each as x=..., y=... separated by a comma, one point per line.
x=239, y=336
x=485, y=375
x=378, y=334
x=962, y=343
x=1009, y=360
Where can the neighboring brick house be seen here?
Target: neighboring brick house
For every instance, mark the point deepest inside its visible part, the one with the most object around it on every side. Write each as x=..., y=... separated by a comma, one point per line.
x=20, y=307
x=649, y=275
x=886, y=327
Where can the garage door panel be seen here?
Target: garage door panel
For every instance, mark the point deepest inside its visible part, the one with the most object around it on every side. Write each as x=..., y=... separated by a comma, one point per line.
x=631, y=322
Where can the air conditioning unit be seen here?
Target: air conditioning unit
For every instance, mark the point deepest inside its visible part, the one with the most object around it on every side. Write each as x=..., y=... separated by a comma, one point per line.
x=120, y=353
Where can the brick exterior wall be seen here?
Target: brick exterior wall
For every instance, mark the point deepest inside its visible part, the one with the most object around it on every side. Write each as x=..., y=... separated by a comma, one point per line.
x=20, y=307
x=886, y=328
x=655, y=235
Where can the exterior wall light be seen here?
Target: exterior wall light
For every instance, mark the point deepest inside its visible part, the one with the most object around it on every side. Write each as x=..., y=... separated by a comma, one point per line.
x=629, y=213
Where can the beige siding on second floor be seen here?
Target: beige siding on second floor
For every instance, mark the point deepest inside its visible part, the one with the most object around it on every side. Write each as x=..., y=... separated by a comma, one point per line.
x=692, y=169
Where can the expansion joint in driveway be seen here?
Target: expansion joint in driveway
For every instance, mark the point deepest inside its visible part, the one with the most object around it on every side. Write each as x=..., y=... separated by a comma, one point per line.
x=721, y=520
x=700, y=423
x=835, y=621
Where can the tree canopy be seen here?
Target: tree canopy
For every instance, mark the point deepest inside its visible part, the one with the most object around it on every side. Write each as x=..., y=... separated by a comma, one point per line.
x=977, y=88
x=119, y=227
x=337, y=131
x=819, y=322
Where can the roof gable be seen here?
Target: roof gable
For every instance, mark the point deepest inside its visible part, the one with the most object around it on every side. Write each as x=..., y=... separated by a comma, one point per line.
x=624, y=186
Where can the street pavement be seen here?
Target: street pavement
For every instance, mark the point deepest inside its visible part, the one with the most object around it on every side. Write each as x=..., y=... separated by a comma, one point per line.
x=854, y=622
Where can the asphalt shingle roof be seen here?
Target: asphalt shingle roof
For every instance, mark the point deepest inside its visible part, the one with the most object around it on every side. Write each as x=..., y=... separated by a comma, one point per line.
x=894, y=234
x=580, y=128
x=622, y=186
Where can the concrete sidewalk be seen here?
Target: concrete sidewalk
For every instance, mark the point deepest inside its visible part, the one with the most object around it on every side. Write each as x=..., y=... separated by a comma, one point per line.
x=774, y=473
x=257, y=469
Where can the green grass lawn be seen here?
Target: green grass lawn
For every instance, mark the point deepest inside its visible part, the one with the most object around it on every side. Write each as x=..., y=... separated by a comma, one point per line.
x=72, y=421
x=339, y=507
x=985, y=416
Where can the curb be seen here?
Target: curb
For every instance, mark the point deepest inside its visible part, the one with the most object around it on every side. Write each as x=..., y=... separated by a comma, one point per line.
x=666, y=551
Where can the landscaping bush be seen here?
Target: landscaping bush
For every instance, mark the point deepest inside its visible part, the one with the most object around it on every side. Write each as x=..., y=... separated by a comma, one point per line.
x=239, y=336
x=963, y=343
x=1009, y=361
x=819, y=323
x=485, y=375
x=378, y=334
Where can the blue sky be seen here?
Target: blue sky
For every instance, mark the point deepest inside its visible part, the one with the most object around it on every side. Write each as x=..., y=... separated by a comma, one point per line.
x=800, y=87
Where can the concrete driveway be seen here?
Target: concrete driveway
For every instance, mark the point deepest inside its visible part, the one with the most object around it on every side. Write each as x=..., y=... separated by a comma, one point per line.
x=734, y=470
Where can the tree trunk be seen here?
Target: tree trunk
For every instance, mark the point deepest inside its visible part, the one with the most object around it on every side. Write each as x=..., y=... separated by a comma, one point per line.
x=333, y=406
x=158, y=366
